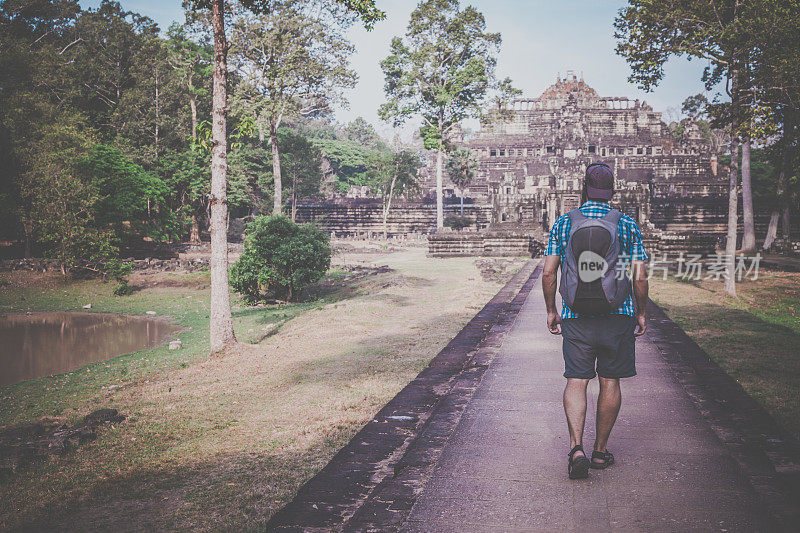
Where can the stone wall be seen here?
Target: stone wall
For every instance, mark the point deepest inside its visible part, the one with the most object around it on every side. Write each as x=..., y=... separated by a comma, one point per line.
x=359, y=217
x=456, y=244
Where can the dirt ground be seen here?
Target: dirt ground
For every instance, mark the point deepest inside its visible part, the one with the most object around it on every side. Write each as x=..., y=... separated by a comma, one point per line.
x=221, y=443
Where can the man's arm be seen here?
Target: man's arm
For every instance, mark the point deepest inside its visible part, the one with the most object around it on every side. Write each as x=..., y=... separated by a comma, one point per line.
x=640, y=289
x=549, y=282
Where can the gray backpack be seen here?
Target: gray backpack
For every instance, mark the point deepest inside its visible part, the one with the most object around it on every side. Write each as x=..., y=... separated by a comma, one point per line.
x=589, y=279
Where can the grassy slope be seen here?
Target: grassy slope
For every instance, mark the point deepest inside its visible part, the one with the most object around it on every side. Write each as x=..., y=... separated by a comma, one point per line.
x=215, y=443
x=754, y=338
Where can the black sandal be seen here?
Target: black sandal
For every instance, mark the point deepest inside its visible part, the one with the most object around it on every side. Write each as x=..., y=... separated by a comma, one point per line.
x=607, y=457
x=578, y=468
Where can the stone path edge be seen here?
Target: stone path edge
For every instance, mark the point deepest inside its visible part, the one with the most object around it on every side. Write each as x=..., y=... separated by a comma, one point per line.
x=374, y=480
x=767, y=454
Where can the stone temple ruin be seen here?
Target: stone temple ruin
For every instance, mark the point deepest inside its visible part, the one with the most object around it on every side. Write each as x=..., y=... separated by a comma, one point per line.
x=530, y=170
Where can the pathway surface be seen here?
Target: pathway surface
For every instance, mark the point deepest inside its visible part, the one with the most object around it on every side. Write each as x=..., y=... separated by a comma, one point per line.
x=504, y=466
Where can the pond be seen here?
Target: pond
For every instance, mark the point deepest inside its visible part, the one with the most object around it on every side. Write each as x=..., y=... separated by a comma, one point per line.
x=39, y=344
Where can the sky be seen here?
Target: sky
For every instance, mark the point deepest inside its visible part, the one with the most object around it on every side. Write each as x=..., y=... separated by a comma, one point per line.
x=541, y=39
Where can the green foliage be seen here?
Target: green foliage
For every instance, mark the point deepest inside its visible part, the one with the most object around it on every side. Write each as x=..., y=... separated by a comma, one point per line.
x=442, y=70
x=365, y=10
x=130, y=199
x=280, y=258
x=462, y=166
x=695, y=106
x=187, y=177
x=362, y=132
x=350, y=162
x=105, y=121
x=250, y=178
x=301, y=163
x=458, y=222
x=394, y=174
x=306, y=67
x=124, y=289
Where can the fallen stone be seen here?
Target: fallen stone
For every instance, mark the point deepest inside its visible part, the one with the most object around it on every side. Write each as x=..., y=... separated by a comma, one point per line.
x=175, y=345
x=150, y=313
x=87, y=306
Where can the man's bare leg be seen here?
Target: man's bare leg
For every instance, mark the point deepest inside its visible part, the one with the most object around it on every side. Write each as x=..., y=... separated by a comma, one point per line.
x=575, y=409
x=608, y=403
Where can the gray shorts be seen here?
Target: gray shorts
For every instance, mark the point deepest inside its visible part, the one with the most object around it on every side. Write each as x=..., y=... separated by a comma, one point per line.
x=605, y=341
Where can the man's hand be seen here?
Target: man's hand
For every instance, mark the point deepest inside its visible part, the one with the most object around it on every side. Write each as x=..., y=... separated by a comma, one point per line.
x=640, y=289
x=554, y=323
x=549, y=279
x=641, y=323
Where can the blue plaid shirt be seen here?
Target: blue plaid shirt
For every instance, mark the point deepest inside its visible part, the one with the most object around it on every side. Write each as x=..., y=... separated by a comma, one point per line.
x=630, y=240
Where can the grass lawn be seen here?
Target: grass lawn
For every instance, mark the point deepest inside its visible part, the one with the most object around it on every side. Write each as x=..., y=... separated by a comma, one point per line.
x=754, y=337
x=216, y=443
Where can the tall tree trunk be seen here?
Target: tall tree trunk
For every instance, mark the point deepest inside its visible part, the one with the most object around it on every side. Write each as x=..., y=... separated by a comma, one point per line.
x=294, y=196
x=772, y=229
x=387, y=207
x=749, y=237
x=780, y=189
x=462, y=202
x=221, y=323
x=193, y=108
x=277, y=205
x=194, y=233
x=733, y=217
x=439, y=192
x=27, y=229
x=785, y=222
x=158, y=111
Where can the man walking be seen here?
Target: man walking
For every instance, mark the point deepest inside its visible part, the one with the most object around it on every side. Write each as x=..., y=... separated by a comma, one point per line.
x=594, y=245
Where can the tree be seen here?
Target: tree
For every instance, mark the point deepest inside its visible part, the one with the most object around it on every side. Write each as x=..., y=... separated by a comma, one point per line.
x=694, y=106
x=785, y=158
x=393, y=174
x=349, y=161
x=221, y=323
x=130, y=199
x=440, y=72
x=192, y=63
x=362, y=132
x=649, y=32
x=461, y=168
x=302, y=162
x=772, y=28
x=249, y=180
x=292, y=61
x=187, y=176
x=34, y=101
x=280, y=258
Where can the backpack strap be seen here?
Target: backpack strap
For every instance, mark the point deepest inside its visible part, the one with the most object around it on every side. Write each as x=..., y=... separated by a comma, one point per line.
x=613, y=216
x=576, y=216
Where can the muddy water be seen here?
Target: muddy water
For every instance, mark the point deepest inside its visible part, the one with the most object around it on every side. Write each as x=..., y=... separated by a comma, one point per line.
x=33, y=345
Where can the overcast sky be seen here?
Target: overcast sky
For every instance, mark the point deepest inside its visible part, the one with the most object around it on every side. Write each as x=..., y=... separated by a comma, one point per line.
x=540, y=40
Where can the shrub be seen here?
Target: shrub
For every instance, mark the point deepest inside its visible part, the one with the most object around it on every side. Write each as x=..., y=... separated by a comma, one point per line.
x=458, y=222
x=280, y=258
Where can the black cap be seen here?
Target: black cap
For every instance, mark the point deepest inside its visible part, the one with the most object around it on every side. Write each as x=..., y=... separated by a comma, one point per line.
x=599, y=182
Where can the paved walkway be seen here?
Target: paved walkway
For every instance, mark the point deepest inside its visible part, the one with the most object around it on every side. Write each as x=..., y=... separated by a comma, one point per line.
x=504, y=467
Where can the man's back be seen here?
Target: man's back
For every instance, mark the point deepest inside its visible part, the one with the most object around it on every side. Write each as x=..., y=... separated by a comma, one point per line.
x=595, y=344
x=630, y=241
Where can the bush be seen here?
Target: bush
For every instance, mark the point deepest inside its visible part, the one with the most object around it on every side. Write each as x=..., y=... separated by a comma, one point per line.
x=458, y=222
x=280, y=258
x=124, y=289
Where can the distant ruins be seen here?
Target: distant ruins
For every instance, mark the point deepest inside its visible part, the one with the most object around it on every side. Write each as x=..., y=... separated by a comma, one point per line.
x=531, y=167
